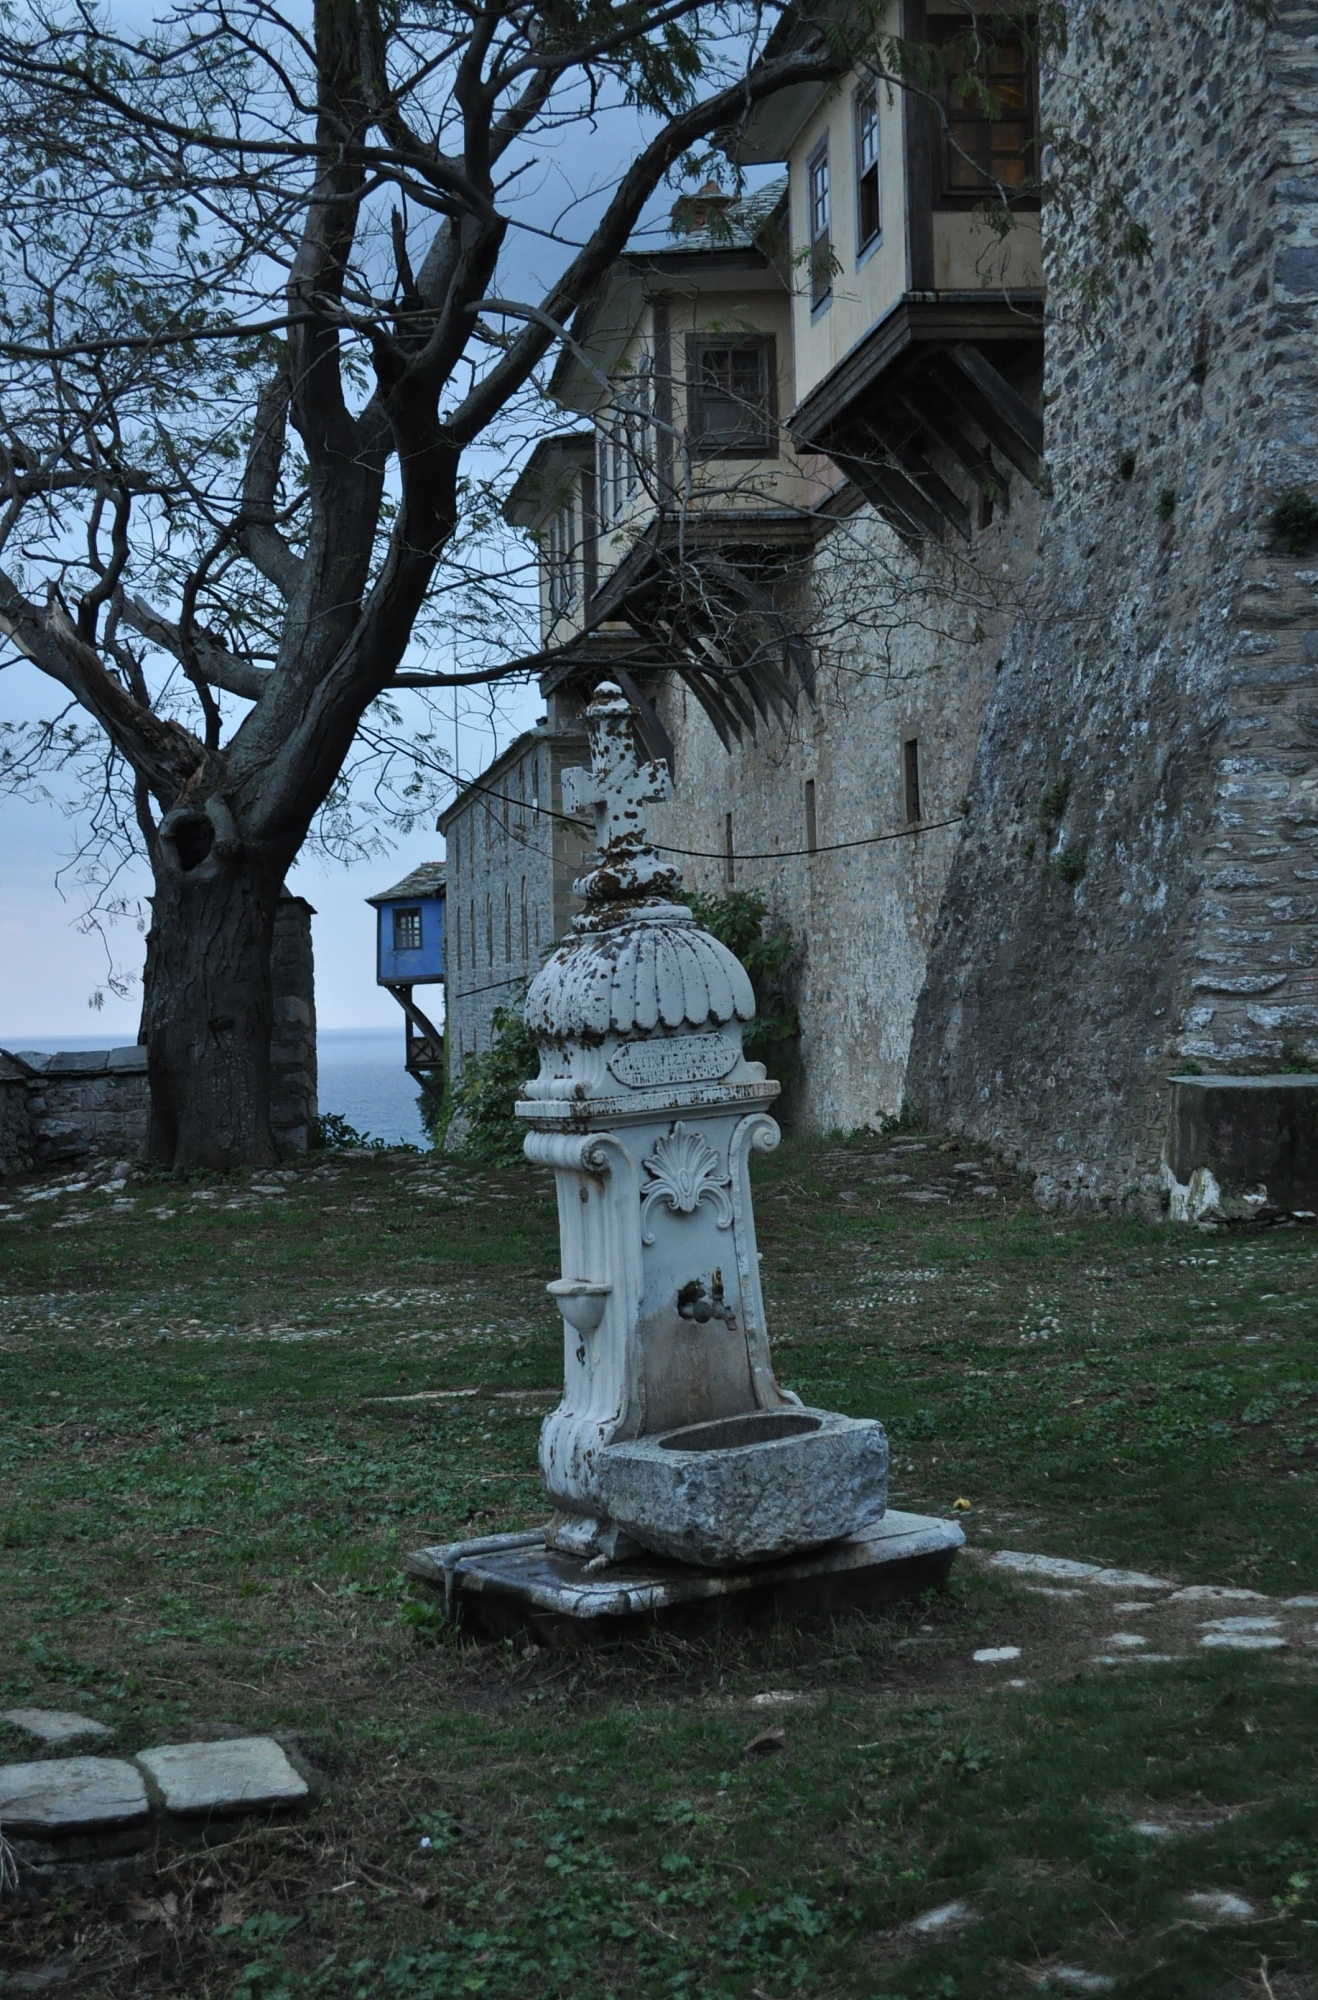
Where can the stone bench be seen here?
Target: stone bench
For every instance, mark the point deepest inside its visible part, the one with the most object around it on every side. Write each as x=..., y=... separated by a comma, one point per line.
x=1242, y=1146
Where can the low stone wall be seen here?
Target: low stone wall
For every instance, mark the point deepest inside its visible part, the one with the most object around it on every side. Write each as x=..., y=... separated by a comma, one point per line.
x=82, y=1101
x=87, y=1101
x=15, y=1120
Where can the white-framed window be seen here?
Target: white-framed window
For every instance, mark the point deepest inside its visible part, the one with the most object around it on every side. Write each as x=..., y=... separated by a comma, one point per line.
x=561, y=554
x=869, y=202
x=820, y=222
x=638, y=427
x=626, y=443
x=610, y=468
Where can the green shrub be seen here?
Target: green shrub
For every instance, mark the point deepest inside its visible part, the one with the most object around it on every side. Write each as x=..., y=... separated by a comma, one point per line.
x=1053, y=802
x=738, y=920
x=1071, y=863
x=333, y=1131
x=484, y=1092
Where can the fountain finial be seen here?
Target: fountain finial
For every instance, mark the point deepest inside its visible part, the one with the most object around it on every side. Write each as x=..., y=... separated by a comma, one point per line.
x=617, y=789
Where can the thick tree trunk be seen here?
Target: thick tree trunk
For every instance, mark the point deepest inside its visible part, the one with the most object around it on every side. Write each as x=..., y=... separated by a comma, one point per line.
x=208, y=1010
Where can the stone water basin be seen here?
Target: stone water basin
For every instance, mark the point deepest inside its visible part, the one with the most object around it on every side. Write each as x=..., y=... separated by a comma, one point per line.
x=747, y=1488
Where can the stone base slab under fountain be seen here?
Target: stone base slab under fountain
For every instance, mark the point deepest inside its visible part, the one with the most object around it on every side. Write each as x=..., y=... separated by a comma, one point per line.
x=508, y=1585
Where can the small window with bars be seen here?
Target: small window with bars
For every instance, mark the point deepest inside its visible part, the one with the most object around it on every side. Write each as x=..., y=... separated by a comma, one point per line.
x=869, y=208
x=733, y=397
x=407, y=930
x=989, y=112
x=820, y=223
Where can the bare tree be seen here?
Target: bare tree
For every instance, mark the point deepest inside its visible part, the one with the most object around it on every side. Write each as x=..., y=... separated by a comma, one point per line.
x=249, y=327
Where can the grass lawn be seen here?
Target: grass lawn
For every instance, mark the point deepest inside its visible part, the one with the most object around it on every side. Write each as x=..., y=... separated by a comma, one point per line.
x=210, y=1471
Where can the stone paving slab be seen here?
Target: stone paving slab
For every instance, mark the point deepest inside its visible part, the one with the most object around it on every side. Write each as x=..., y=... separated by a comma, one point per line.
x=69, y=1795
x=238, y=1776
x=54, y=1725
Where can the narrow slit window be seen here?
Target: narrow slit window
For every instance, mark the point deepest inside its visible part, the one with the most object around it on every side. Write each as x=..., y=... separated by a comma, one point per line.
x=811, y=823
x=729, y=855
x=911, y=779
x=526, y=934
x=507, y=925
x=869, y=208
x=821, y=227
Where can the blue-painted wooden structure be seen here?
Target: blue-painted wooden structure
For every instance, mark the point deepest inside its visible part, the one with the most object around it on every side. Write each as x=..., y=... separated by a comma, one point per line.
x=409, y=951
x=409, y=928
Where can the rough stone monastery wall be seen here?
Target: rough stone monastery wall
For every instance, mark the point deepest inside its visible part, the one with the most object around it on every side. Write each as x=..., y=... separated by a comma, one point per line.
x=906, y=650
x=1165, y=681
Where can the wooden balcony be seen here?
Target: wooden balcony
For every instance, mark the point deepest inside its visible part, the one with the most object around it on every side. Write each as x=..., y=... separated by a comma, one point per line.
x=703, y=597
x=942, y=385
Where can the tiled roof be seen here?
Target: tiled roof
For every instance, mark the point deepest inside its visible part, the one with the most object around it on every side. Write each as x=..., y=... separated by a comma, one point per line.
x=740, y=224
x=427, y=880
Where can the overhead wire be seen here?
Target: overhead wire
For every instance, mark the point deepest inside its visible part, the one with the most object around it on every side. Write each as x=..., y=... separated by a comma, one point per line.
x=721, y=854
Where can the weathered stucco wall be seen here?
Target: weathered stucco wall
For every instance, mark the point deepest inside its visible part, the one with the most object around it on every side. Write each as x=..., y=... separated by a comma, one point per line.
x=1136, y=886
x=907, y=646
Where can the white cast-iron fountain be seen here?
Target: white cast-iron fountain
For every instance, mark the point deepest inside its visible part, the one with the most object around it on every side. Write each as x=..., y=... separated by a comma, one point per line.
x=678, y=1470
x=672, y=1434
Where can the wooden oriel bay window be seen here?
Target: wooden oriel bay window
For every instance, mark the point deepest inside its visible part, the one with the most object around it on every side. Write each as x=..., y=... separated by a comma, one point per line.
x=989, y=110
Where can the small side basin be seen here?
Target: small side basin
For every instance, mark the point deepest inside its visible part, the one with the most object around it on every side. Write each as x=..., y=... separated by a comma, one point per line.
x=728, y=1433
x=743, y=1489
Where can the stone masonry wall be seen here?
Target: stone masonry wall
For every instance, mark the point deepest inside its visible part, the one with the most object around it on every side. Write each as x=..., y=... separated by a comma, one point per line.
x=98, y=1101
x=88, y=1101
x=1138, y=885
x=16, y=1150
x=510, y=872
x=907, y=646
x=293, y=1076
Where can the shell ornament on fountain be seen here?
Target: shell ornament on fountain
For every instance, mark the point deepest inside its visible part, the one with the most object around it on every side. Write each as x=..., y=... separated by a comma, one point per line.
x=672, y=1435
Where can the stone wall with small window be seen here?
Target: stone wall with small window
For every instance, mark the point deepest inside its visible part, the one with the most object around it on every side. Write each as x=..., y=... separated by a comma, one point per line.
x=845, y=815
x=1138, y=886
x=512, y=857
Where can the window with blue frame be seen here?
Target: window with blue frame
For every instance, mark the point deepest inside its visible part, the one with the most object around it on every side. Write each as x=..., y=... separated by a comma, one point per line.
x=869, y=208
x=820, y=223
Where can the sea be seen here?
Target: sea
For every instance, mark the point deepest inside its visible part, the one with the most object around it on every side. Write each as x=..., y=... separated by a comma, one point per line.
x=361, y=1076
